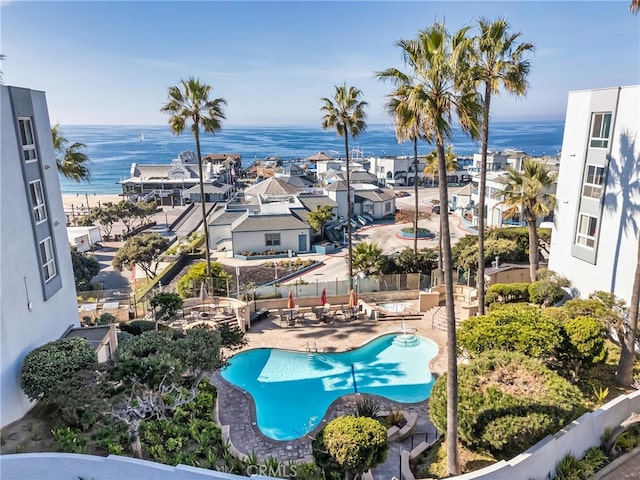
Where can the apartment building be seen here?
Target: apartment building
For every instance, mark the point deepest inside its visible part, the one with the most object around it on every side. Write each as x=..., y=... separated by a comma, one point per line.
x=37, y=291
x=595, y=234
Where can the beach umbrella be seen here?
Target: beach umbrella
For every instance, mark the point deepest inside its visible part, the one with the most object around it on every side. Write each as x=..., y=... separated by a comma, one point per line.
x=323, y=297
x=353, y=300
x=290, y=302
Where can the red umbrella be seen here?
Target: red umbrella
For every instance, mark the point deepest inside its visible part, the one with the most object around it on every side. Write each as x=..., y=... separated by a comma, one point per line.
x=290, y=302
x=323, y=297
x=353, y=300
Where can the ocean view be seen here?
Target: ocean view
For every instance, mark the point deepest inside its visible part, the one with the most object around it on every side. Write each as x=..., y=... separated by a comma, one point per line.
x=112, y=149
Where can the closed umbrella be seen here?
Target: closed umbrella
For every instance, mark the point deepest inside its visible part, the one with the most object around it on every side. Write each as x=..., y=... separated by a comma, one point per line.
x=290, y=302
x=353, y=300
x=203, y=292
x=323, y=297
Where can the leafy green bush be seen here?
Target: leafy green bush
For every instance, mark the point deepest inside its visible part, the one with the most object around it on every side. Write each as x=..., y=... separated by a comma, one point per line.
x=70, y=440
x=106, y=318
x=503, y=394
x=513, y=327
x=53, y=362
x=508, y=292
x=545, y=293
x=356, y=444
x=189, y=284
x=137, y=327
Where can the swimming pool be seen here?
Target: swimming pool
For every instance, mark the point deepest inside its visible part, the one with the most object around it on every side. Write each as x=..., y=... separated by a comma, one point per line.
x=292, y=390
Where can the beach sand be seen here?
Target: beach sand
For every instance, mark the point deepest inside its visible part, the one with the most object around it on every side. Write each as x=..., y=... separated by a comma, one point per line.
x=79, y=201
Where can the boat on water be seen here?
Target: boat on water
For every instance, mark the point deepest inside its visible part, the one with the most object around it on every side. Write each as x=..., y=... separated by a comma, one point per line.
x=142, y=136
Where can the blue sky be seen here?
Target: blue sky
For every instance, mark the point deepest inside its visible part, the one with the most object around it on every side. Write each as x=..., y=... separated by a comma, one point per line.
x=112, y=62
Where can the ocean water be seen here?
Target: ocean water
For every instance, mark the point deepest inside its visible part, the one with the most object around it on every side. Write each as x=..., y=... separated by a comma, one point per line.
x=112, y=149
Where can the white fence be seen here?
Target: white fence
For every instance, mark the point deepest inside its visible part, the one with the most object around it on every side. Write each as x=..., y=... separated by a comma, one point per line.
x=536, y=463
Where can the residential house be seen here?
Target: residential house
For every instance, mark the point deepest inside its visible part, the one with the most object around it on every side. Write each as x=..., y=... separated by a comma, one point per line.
x=37, y=283
x=594, y=240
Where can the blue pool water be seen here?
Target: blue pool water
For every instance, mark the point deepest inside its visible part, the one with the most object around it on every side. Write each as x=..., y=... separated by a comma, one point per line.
x=292, y=390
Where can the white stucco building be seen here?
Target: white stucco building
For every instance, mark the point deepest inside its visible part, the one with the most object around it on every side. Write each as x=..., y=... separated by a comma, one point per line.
x=37, y=291
x=595, y=234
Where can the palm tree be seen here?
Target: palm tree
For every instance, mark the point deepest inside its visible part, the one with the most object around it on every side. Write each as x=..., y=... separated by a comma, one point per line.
x=624, y=373
x=69, y=160
x=193, y=103
x=528, y=193
x=431, y=169
x=498, y=62
x=345, y=113
x=408, y=122
x=635, y=6
x=367, y=259
x=438, y=61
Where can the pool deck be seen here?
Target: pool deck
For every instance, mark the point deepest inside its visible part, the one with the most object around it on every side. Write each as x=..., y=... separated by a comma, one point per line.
x=236, y=409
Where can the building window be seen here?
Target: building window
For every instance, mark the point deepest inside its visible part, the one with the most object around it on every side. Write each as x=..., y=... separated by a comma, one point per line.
x=387, y=207
x=586, y=234
x=594, y=179
x=272, y=239
x=48, y=262
x=27, y=140
x=37, y=201
x=600, y=130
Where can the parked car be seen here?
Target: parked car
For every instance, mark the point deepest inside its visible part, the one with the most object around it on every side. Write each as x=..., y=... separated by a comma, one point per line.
x=436, y=209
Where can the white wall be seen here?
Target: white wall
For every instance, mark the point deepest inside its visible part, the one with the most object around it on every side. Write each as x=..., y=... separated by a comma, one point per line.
x=22, y=329
x=254, y=241
x=616, y=255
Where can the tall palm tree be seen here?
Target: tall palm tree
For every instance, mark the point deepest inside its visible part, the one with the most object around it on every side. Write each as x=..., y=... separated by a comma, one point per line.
x=439, y=64
x=624, y=373
x=498, y=62
x=192, y=103
x=431, y=169
x=408, y=121
x=528, y=194
x=345, y=114
x=70, y=161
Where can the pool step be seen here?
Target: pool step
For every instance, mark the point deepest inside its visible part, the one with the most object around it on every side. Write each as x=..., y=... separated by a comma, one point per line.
x=438, y=317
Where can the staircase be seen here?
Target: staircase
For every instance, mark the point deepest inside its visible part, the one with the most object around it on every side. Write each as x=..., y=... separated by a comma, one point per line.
x=437, y=316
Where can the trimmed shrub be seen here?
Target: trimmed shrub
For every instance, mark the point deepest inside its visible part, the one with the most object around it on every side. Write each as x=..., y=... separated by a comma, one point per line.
x=53, y=362
x=356, y=443
x=545, y=293
x=138, y=327
x=507, y=403
x=508, y=292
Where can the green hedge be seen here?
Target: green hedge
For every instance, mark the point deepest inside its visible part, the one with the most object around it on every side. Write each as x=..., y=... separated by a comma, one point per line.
x=507, y=292
x=507, y=403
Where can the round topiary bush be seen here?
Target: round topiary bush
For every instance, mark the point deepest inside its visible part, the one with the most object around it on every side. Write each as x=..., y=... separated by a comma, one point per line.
x=507, y=403
x=52, y=362
x=355, y=444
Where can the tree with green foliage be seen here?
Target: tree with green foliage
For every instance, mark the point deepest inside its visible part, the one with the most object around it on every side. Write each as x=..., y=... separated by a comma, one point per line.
x=466, y=256
x=345, y=114
x=508, y=402
x=545, y=293
x=409, y=262
x=143, y=250
x=165, y=306
x=367, y=259
x=319, y=217
x=528, y=193
x=85, y=267
x=145, y=210
x=192, y=103
x=403, y=106
x=439, y=65
x=106, y=215
x=127, y=214
x=70, y=161
x=355, y=444
x=584, y=345
x=189, y=283
x=497, y=61
x=52, y=362
x=515, y=328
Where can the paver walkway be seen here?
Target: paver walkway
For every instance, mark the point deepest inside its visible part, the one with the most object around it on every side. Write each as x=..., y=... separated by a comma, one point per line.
x=236, y=408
